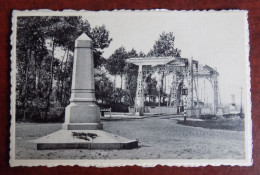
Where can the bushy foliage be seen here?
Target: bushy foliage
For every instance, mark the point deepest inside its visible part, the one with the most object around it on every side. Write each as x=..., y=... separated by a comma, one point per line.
x=43, y=81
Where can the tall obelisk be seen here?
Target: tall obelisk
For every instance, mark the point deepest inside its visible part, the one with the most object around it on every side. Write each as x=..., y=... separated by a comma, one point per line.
x=82, y=113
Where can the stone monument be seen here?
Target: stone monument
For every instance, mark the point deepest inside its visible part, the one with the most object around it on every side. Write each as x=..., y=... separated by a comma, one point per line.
x=82, y=127
x=82, y=112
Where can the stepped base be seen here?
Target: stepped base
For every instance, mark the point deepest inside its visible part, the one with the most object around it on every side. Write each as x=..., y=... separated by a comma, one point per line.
x=82, y=126
x=84, y=139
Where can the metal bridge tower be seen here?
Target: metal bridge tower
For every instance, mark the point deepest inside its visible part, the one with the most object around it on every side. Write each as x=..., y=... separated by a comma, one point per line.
x=215, y=88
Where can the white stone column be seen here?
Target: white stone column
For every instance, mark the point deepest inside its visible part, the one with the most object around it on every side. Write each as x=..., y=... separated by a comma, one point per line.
x=139, y=99
x=82, y=112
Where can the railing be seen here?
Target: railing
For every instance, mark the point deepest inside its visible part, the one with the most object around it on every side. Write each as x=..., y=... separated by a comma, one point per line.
x=155, y=110
x=163, y=110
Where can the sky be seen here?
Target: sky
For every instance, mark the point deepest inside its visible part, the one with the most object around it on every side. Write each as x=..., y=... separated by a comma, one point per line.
x=218, y=39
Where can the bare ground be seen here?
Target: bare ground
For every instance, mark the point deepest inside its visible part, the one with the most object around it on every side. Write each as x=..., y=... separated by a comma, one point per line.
x=158, y=139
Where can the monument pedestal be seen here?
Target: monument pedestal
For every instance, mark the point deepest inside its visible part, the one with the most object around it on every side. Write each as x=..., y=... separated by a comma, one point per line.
x=82, y=116
x=81, y=129
x=84, y=139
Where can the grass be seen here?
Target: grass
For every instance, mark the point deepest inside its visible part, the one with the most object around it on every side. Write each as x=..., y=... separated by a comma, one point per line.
x=223, y=124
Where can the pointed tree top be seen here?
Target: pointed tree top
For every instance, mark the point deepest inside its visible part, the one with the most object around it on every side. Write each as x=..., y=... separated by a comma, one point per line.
x=83, y=37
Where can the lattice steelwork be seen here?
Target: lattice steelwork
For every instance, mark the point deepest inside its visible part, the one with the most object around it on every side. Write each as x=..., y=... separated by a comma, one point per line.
x=182, y=69
x=204, y=71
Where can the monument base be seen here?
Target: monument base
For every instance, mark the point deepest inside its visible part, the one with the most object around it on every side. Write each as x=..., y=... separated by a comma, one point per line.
x=83, y=139
x=82, y=126
x=82, y=112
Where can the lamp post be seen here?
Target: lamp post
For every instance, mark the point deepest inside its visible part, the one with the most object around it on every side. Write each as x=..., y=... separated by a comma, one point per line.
x=241, y=108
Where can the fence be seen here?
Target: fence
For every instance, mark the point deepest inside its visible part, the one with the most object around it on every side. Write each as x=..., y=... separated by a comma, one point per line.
x=156, y=110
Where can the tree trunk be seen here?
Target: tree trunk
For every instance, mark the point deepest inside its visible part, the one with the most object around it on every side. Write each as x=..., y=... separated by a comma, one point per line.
x=63, y=88
x=39, y=73
x=39, y=79
x=115, y=83
x=121, y=76
x=35, y=71
x=159, y=96
x=59, y=82
x=121, y=87
x=51, y=78
x=26, y=86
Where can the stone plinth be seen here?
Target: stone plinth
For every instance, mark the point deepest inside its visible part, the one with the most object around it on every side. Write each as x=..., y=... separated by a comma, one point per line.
x=64, y=139
x=82, y=115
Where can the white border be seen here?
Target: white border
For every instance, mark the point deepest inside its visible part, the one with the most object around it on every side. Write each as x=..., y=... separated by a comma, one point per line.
x=123, y=162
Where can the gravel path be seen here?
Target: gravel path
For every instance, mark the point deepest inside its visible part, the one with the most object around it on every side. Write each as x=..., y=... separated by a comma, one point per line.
x=158, y=139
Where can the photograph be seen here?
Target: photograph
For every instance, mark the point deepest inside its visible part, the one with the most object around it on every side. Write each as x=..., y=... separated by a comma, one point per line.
x=140, y=87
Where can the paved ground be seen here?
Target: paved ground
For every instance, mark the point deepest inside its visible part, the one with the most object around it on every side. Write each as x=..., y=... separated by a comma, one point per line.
x=159, y=138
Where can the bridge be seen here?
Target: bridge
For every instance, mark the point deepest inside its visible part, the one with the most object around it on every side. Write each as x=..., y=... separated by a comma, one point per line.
x=181, y=69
